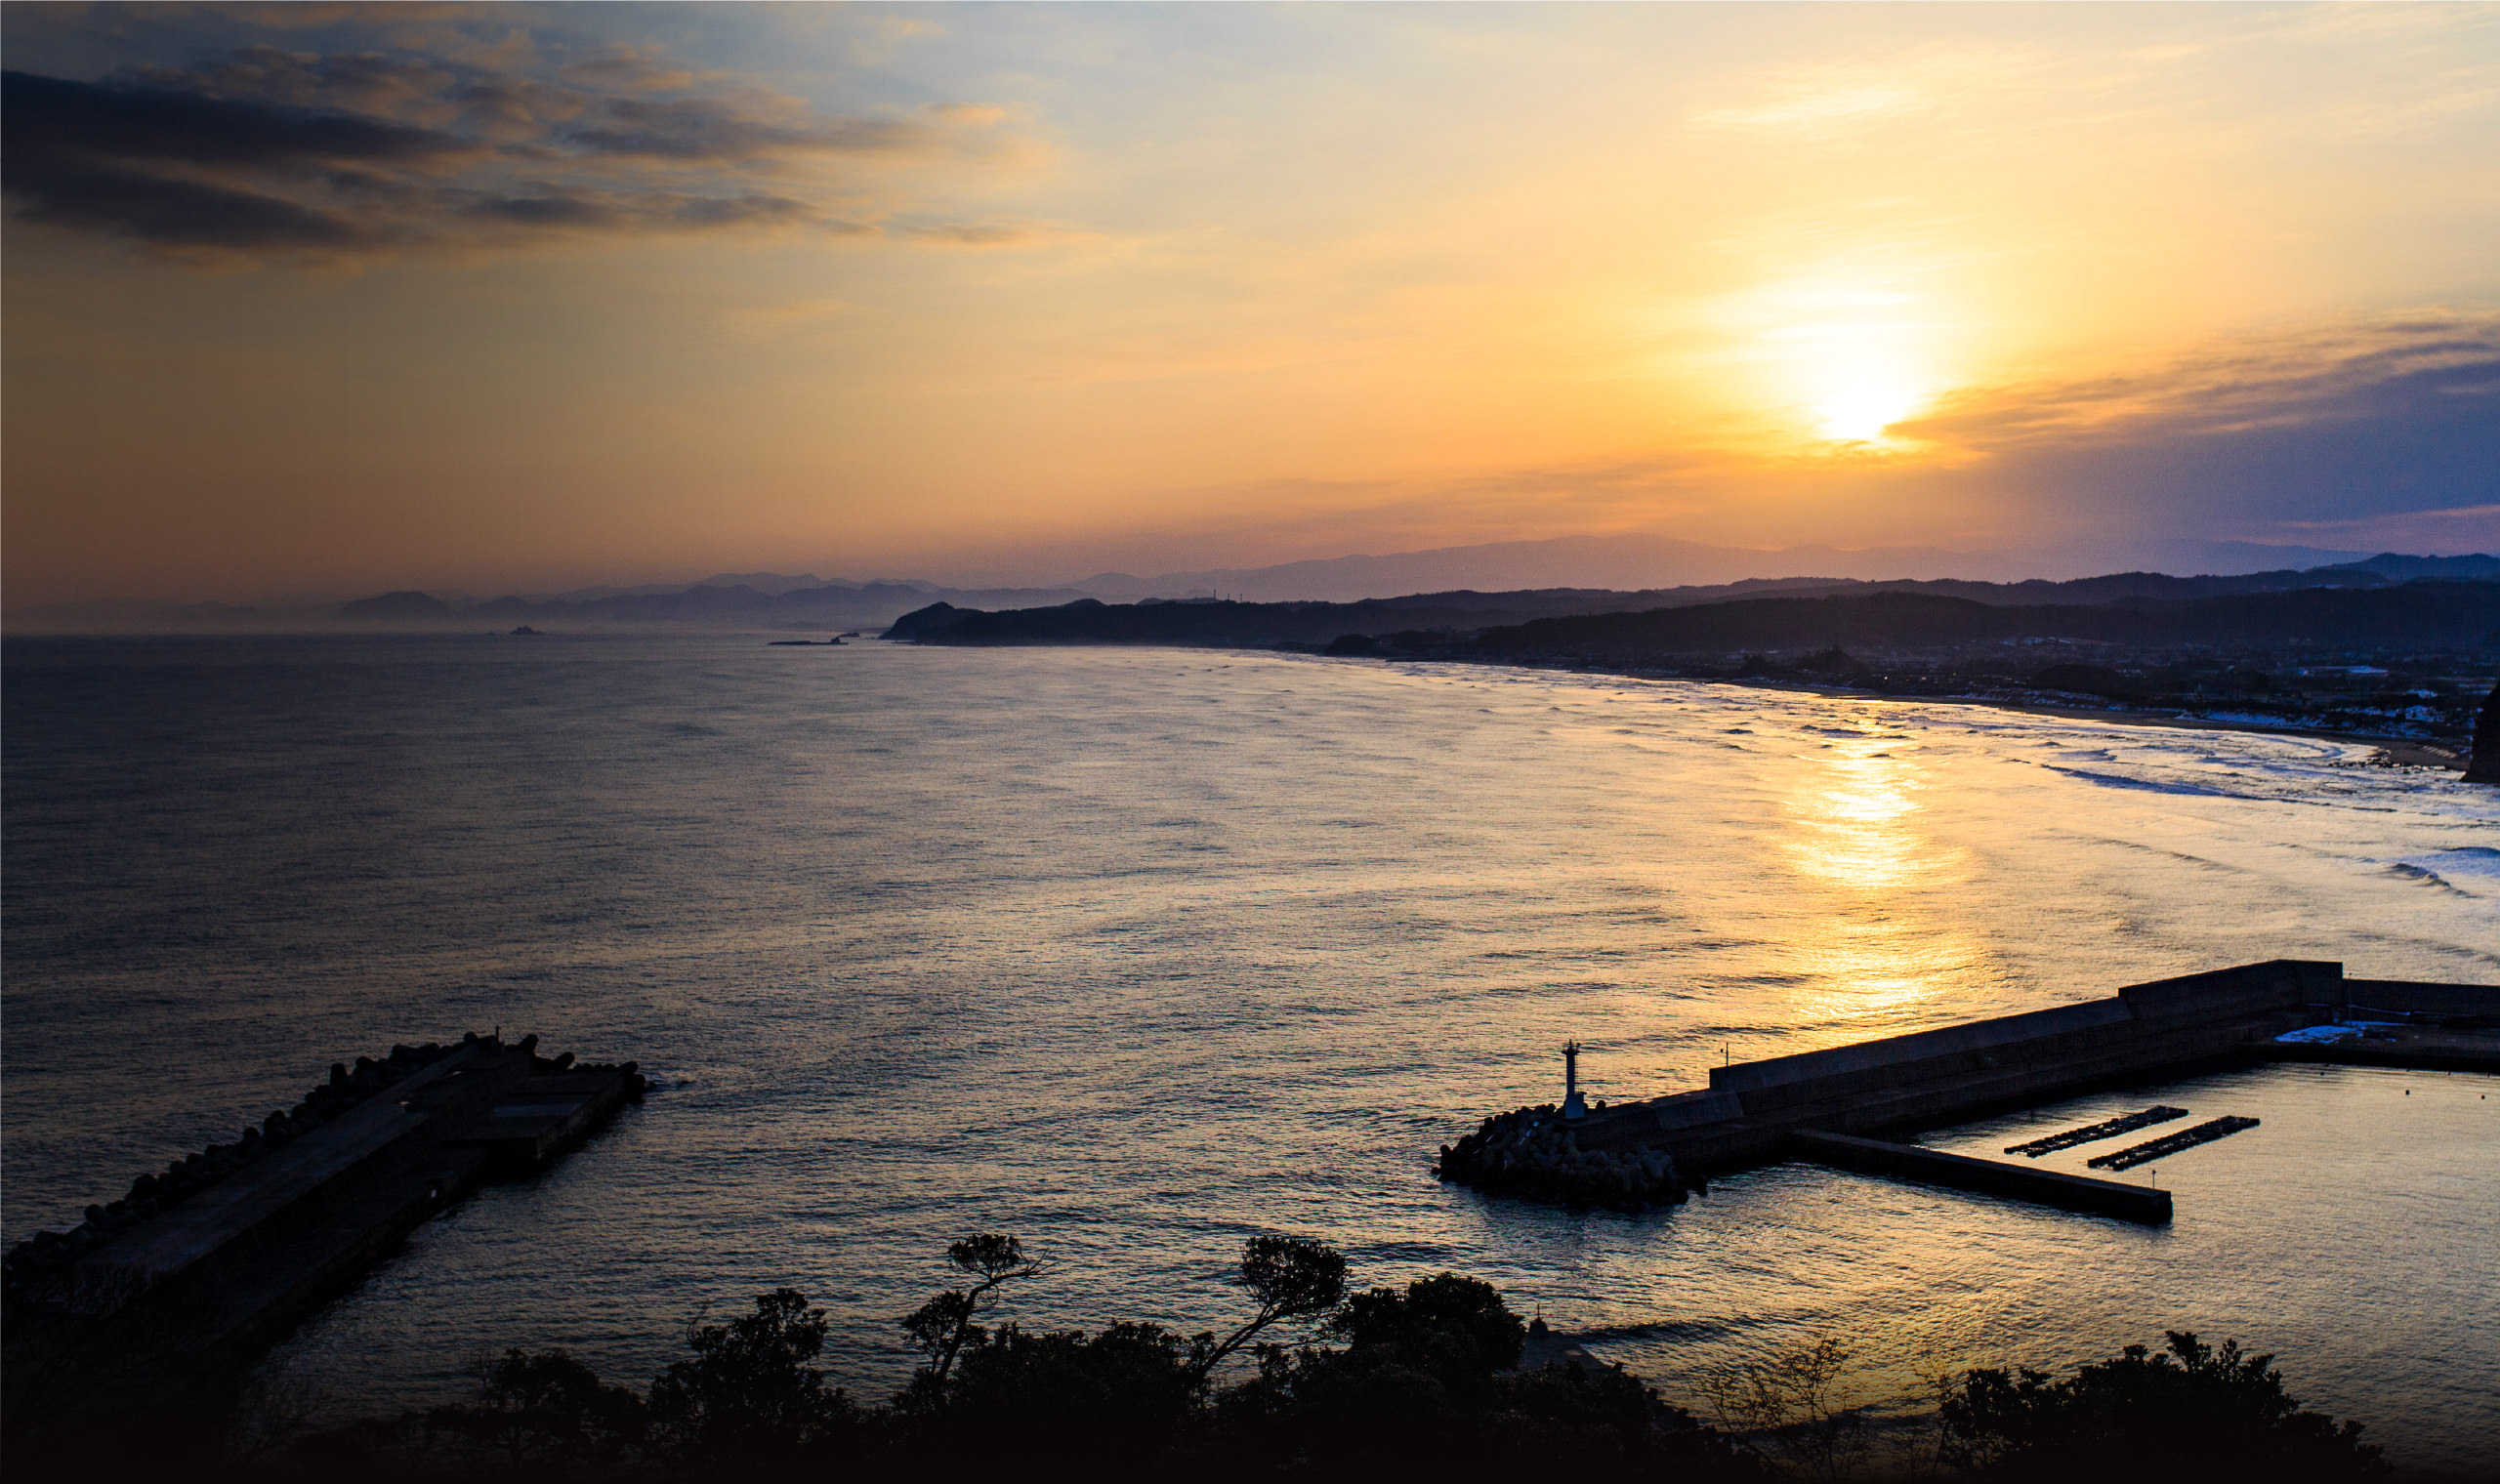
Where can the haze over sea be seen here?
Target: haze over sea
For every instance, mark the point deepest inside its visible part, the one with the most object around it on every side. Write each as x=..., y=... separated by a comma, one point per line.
x=1136, y=952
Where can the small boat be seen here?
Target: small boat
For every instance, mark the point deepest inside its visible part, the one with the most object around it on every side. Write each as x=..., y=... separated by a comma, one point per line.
x=813, y=644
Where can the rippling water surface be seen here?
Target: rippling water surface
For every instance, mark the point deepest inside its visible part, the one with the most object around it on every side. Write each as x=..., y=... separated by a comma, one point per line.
x=1136, y=952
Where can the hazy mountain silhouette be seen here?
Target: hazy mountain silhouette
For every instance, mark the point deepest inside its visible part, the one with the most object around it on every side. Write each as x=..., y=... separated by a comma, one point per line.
x=1637, y=562
x=395, y=605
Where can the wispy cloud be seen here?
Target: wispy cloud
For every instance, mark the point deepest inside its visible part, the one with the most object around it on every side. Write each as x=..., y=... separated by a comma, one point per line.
x=1833, y=101
x=1818, y=109
x=298, y=156
x=881, y=38
x=2385, y=426
x=978, y=234
x=2341, y=373
x=776, y=321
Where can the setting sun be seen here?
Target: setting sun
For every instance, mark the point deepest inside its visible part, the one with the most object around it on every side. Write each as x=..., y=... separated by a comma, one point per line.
x=1861, y=413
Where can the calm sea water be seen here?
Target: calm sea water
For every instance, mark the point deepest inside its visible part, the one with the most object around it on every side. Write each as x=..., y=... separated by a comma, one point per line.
x=1135, y=953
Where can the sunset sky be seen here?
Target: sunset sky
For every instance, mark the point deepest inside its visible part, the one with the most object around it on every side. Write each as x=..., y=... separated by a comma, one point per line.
x=329, y=299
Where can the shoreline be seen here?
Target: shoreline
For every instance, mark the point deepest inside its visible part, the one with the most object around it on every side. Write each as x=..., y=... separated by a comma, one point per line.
x=2408, y=751
x=2404, y=752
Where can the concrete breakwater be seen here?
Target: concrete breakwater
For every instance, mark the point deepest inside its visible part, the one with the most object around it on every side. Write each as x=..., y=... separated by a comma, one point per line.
x=158, y=1299
x=1902, y=1084
x=42, y=1266
x=1962, y=1171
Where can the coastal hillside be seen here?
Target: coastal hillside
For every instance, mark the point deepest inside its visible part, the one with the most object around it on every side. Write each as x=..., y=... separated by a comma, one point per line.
x=2415, y=616
x=2442, y=615
x=2410, y=660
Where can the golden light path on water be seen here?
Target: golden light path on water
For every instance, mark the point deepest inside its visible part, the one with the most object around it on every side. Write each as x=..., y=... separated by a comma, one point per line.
x=1136, y=952
x=1855, y=833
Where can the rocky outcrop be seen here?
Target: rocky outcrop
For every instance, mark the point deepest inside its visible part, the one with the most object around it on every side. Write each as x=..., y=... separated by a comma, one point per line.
x=2483, y=767
x=1533, y=1154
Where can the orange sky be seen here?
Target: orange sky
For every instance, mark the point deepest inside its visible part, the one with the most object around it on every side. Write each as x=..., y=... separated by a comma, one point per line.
x=334, y=299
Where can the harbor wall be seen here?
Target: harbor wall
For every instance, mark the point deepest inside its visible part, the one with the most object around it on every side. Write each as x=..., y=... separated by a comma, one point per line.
x=2414, y=997
x=1934, y=1078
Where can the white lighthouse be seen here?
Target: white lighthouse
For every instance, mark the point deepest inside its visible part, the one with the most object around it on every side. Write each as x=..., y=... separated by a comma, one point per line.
x=1573, y=1105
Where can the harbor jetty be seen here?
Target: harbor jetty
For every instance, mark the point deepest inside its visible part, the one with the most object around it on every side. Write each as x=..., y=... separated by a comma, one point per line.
x=155, y=1304
x=1851, y=1105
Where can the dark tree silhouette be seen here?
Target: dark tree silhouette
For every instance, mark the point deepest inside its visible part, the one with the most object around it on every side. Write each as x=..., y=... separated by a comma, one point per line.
x=1291, y=1277
x=749, y=1398
x=1424, y=1385
x=1114, y=1399
x=1447, y=1326
x=945, y=1324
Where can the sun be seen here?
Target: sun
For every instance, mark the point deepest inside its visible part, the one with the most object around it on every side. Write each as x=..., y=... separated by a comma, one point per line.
x=1858, y=413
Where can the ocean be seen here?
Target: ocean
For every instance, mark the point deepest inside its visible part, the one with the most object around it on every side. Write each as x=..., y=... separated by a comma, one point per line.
x=1136, y=953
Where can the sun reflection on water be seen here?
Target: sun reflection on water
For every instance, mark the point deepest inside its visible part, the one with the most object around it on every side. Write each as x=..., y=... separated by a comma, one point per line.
x=1854, y=837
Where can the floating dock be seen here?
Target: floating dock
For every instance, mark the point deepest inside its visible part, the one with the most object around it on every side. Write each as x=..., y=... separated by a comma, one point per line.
x=2093, y=1133
x=157, y=1303
x=2175, y=1143
x=1840, y=1105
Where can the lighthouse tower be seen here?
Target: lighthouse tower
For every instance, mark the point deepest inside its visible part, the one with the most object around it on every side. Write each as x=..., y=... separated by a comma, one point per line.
x=1574, y=1106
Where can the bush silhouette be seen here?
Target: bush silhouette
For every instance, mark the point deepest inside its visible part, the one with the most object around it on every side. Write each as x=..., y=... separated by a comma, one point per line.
x=547, y=1412
x=2196, y=1409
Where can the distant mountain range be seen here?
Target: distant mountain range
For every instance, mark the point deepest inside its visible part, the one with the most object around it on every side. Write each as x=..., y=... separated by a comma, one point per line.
x=1638, y=562
x=748, y=600
x=705, y=604
x=1621, y=563
x=1454, y=587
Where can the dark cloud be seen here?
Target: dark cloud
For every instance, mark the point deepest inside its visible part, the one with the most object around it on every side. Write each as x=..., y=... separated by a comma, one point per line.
x=157, y=208
x=370, y=83
x=705, y=131
x=553, y=211
x=114, y=160
x=640, y=68
x=283, y=156
x=741, y=210
x=974, y=235
x=2334, y=426
x=47, y=118
x=557, y=209
x=2346, y=373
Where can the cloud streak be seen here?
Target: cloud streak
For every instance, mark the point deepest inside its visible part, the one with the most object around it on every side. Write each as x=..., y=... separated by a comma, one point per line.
x=286, y=156
x=2336, y=373
x=2389, y=426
